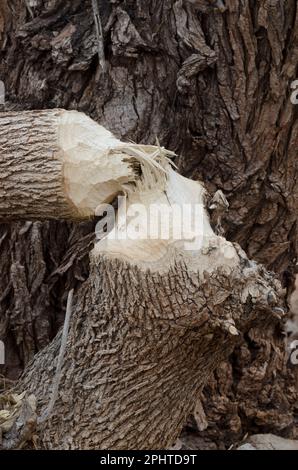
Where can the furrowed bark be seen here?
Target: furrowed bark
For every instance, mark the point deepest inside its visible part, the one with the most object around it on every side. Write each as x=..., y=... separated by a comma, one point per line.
x=141, y=346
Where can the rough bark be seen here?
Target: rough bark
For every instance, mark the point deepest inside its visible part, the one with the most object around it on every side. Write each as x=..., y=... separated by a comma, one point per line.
x=31, y=168
x=214, y=87
x=141, y=346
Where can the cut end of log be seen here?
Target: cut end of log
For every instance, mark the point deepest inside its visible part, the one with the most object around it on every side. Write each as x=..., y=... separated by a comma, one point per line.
x=98, y=167
x=164, y=223
x=93, y=170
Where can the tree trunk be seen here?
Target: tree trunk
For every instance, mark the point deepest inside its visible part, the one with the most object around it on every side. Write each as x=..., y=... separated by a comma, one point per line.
x=213, y=86
x=141, y=346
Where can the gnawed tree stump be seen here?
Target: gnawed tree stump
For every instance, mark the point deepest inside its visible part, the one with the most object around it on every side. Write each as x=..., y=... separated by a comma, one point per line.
x=155, y=317
x=141, y=346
